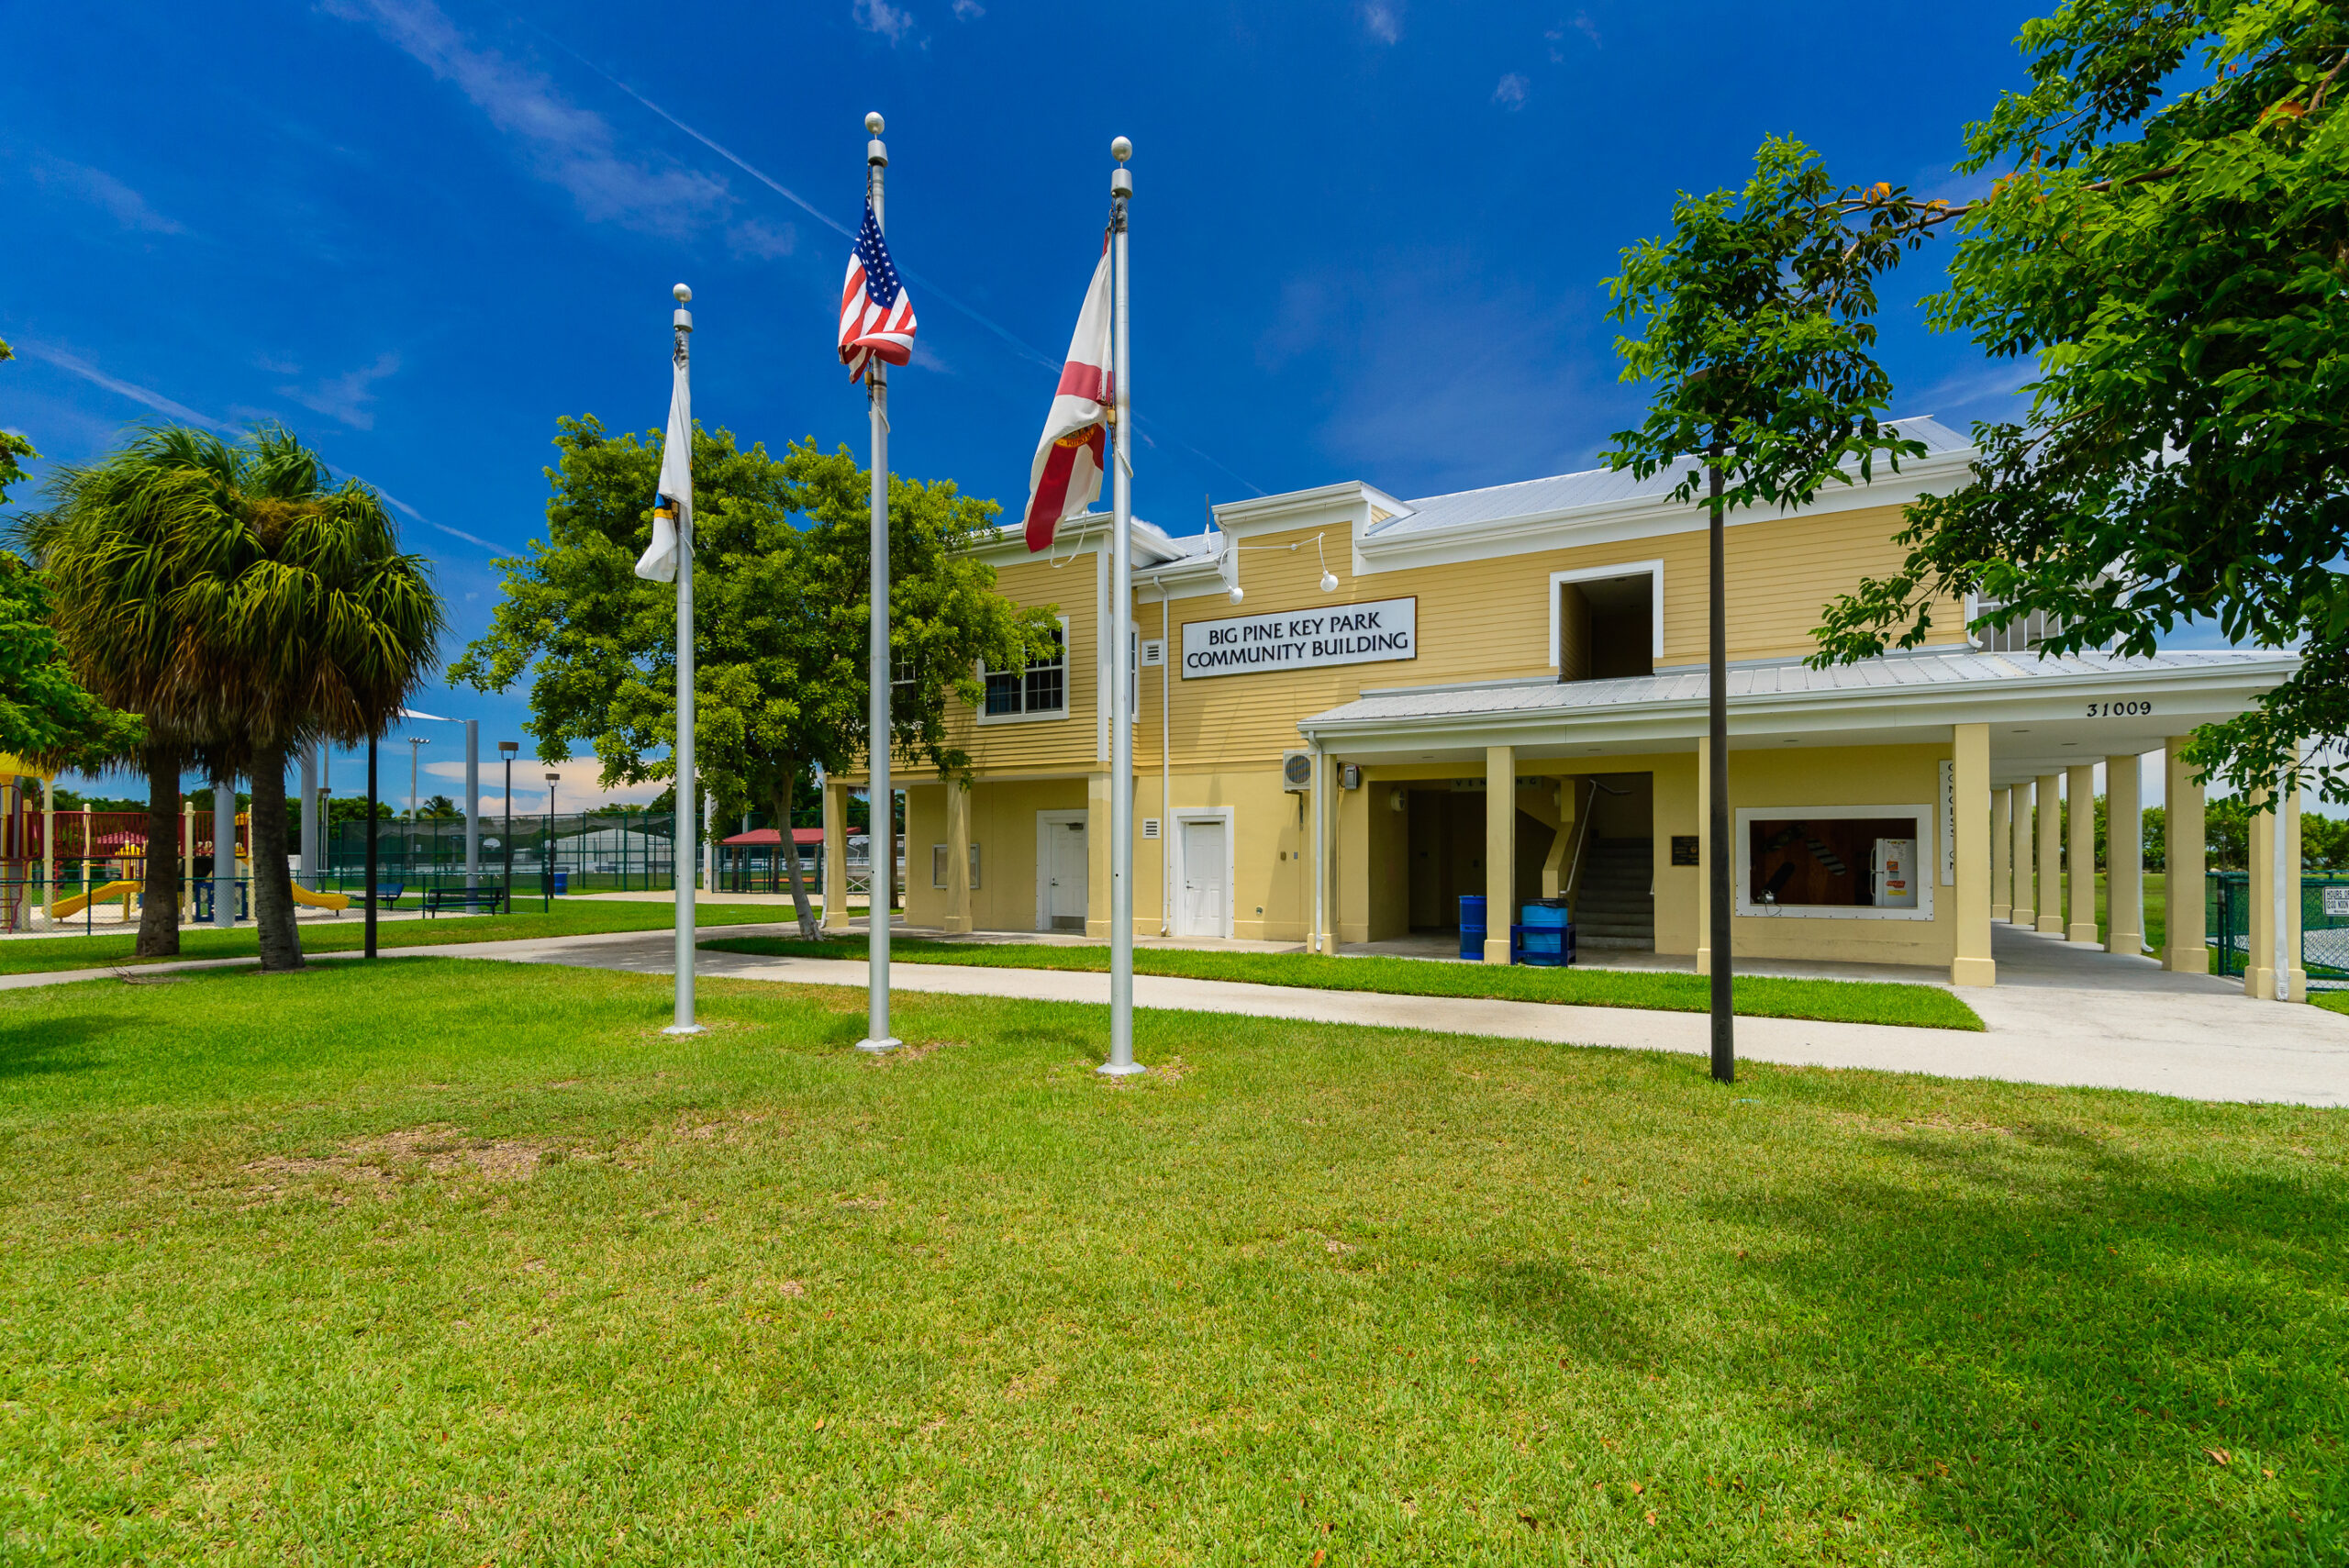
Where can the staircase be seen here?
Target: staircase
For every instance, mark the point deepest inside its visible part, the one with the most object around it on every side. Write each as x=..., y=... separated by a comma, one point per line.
x=1616, y=908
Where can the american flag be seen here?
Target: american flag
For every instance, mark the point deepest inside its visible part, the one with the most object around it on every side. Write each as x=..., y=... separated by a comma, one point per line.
x=876, y=316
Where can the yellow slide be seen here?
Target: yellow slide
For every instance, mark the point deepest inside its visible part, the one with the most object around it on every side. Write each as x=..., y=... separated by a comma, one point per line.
x=67, y=908
x=334, y=901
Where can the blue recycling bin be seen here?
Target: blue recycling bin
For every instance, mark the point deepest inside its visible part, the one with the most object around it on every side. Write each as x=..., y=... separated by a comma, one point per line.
x=1546, y=937
x=1471, y=924
x=561, y=882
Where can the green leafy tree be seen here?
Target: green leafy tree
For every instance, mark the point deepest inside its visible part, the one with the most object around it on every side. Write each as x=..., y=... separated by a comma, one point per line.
x=1756, y=329
x=781, y=600
x=250, y=604
x=440, y=808
x=12, y=445
x=2177, y=266
x=46, y=715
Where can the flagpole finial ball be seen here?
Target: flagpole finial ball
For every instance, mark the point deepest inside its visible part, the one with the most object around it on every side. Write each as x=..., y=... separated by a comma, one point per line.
x=873, y=122
x=684, y=296
x=1121, y=149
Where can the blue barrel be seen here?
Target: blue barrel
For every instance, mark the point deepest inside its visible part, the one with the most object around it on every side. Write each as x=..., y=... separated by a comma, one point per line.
x=1546, y=938
x=1471, y=924
x=561, y=882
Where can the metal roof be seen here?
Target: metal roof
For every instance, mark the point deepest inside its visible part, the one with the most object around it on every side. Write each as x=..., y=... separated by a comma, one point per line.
x=1594, y=486
x=1787, y=677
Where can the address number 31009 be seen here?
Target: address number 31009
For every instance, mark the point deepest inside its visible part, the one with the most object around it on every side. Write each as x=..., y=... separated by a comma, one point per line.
x=2120, y=709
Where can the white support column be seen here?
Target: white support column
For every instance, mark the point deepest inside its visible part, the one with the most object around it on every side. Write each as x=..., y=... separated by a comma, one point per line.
x=2124, y=843
x=1705, y=850
x=1500, y=849
x=2026, y=898
x=2079, y=881
x=957, y=919
x=1317, y=938
x=1970, y=821
x=2185, y=946
x=2001, y=855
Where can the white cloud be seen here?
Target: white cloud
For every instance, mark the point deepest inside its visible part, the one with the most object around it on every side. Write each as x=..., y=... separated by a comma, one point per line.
x=1510, y=93
x=1383, y=18
x=103, y=190
x=577, y=788
x=569, y=146
x=346, y=396
x=892, y=22
x=137, y=394
x=968, y=10
x=755, y=240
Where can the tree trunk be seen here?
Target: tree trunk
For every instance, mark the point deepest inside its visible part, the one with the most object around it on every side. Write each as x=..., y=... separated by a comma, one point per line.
x=790, y=850
x=159, y=902
x=281, y=944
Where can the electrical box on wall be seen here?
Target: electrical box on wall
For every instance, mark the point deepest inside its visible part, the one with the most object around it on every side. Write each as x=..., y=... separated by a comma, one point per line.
x=1349, y=775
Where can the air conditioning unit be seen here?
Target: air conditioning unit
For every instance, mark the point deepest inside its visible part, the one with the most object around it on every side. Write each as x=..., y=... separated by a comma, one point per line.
x=1297, y=770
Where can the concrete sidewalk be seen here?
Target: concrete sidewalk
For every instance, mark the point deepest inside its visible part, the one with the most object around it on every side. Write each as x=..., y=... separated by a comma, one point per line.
x=2068, y=1016
x=2204, y=1042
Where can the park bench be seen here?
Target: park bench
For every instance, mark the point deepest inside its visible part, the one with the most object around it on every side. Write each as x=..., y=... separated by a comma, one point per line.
x=492, y=899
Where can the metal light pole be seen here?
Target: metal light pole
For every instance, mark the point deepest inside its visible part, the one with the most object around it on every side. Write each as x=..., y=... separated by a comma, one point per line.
x=1121, y=597
x=881, y=833
x=1717, y=754
x=546, y=859
x=374, y=846
x=415, y=743
x=506, y=750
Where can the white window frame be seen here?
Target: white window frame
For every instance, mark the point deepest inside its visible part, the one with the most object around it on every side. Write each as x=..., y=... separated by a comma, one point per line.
x=1655, y=570
x=1222, y=813
x=1050, y=716
x=1928, y=820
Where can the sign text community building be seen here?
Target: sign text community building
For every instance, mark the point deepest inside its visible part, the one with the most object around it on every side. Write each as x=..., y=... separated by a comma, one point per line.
x=1302, y=640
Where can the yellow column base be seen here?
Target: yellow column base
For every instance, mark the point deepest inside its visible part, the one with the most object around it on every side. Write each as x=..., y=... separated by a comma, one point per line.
x=1704, y=960
x=2001, y=912
x=2129, y=942
x=1495, y=949
x=2080, y=931
x=1973, y=972
x=955, y=925
x=2051, y=926
x=2022, y=917
x=2260, y=984
x=2194, y=960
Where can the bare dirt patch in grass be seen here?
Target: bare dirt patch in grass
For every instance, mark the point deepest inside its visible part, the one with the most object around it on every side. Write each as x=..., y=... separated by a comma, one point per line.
x=392, y=1159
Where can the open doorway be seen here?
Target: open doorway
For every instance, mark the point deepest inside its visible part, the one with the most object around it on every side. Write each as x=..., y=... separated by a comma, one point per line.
x=1446, y=842
x=1604, y=624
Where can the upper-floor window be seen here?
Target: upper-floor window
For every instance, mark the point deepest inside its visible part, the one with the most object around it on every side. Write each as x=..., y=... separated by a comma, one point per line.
x=1607, y=621
x=1039, y=690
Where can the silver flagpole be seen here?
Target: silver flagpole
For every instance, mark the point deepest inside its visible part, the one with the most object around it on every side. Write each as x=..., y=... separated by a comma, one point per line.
x=881, y=831
x=688, y=792
x=1121, y=651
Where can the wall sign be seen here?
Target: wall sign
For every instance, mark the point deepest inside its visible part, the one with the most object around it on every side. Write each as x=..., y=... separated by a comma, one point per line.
x=1380, y=630
x=1687, y=851
x=1949, y=823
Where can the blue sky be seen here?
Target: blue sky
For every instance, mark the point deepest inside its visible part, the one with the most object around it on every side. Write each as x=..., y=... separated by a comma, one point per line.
x=1368, y=237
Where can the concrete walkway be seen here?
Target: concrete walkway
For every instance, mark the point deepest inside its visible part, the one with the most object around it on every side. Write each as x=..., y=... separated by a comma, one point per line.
x=2062, y=1013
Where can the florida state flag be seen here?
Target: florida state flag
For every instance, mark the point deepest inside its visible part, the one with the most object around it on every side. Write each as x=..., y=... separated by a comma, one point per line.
x=1065, y=478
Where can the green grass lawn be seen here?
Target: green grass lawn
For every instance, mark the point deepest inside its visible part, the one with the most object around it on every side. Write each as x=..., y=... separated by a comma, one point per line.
x=445, y=1261
x=569, y=918
x=1846, y=1001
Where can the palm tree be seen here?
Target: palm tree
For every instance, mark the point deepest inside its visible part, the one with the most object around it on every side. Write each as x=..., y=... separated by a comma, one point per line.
x=260, y=605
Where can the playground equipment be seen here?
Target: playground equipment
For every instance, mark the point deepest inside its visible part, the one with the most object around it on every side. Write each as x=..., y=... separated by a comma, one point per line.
x=126, y=890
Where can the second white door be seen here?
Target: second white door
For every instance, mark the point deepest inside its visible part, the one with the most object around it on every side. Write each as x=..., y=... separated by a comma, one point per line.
x=1202, y=909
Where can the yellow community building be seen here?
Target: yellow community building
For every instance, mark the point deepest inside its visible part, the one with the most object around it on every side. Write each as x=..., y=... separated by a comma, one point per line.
x=1352, y=710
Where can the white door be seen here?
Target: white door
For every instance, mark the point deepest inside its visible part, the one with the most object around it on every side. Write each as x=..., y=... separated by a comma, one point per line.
x=1202, y=909
x=1066, y=869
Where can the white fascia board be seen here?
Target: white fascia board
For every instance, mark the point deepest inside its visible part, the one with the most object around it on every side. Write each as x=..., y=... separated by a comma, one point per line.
x=1007, y=543
x=1348, y=501
x=2205, y=694
x=1645, y=517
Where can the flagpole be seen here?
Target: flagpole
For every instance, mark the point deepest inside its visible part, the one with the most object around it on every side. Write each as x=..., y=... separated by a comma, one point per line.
x=688, y=792
x=880, y=829
x=1121, y=652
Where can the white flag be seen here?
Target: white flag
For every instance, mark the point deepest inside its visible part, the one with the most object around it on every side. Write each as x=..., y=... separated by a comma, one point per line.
x=673, y=515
